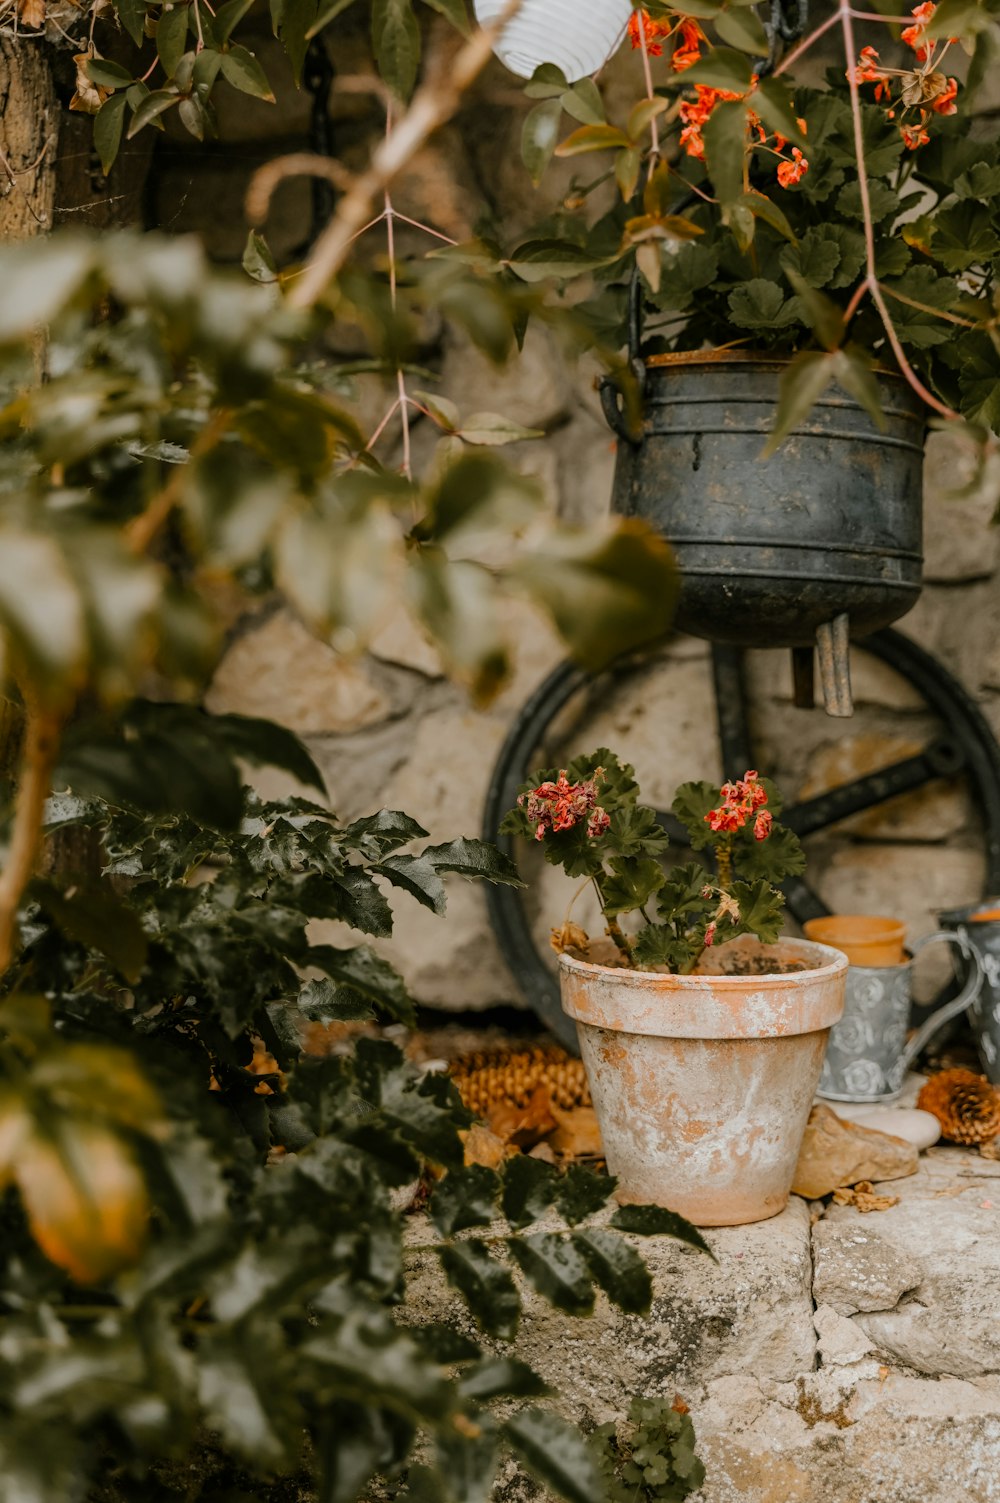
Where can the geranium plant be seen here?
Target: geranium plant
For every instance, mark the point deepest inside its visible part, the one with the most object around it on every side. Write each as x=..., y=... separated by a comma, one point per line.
x=588, y=819
x=850, y=226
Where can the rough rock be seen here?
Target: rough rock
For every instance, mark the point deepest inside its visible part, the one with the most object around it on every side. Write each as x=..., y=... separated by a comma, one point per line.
x=948, y=1221
x=855, y=1269
x=920, y=1128
x=279, y=670
x=959, y=543
x=840, y=1341
x=837, y=1153
x=753, y=1308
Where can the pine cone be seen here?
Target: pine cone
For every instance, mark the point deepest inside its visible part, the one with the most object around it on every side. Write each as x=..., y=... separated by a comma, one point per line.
x=488, y=1077
x=966, y=1105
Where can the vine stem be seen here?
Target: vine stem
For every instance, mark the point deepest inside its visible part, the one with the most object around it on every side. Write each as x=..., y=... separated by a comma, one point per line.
x=615, y=932
x=846, y=16
x=433, y=104
x=41, y=747
x=389, y=215
x=647, y=73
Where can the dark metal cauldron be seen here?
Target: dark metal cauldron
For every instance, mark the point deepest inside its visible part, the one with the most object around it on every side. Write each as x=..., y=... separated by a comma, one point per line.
x=818, y=542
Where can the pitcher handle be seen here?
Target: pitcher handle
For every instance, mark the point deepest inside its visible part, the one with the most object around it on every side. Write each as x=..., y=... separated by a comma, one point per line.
x=966, y=997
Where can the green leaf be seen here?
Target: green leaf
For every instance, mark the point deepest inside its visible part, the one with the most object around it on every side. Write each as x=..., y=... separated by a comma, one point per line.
x=554, y=1268
x=262, y=743
x=100, y=70
x=132, y=14
x=742, y=29
x=98, y=919
x=477, y=860
x=605, y=600
x=546, y=82
x=530, y=1187
x=241, y=69
x=487, y=1287
x=557, y=1453
x=297, y=24
x=722, y=68
x=800, y=387
x=540, y=136
x=477, y=489
x=537, y=260
x=762, y=909
x=109, y=123
x=465, y=1197
x=40, y=609
x=583, y=101
x=417, y=876
x=580, y=1193
x=657, y=1221
x=592, y=138
x=692, y=802
x=761, y=304
x=327, y=14
x=228, y=16
x=258, y=260
x=171, y=36
x=618, y=1269
x=396, y=44
x=633, y=882
x=724, y=134
x=154, y=105
x=761, y=207
x=363, y=971
x=825, y=318
x=775, y=105
x=852, y=370
x=501, y=1377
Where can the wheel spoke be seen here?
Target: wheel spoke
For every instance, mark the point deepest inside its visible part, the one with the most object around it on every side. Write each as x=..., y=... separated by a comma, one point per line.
x=942, y=758
x=730, y=710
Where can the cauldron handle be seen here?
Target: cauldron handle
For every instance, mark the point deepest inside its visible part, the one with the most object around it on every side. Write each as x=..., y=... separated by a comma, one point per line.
x=610, y=391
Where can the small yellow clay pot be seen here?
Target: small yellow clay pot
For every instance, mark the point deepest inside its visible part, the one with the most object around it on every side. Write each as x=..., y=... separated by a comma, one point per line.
x=865, y=939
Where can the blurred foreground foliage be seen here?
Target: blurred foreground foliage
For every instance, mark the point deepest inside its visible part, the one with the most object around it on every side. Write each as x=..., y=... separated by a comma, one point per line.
x=192, y=1251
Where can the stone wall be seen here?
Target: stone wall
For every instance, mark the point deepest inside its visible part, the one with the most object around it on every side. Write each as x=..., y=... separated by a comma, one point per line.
x=388, y=728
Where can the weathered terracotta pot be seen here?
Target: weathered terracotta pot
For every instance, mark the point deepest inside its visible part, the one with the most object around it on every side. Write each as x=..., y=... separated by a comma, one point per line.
x=703, y=1084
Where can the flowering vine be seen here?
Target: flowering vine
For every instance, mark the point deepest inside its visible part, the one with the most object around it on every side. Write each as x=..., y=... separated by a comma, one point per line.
x=923, y=91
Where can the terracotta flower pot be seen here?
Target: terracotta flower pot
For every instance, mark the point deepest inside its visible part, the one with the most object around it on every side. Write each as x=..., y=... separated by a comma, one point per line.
x=865, y=939
x=703, y=1084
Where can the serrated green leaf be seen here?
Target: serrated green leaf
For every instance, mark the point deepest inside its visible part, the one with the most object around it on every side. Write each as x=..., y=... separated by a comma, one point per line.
x=580, y=1193
x=466, y=1197
x=487, y=1287
x=501, y=1377
x=657, y=1221
x=618, y=1269
x=555, y=1269
x=557, y=1453
x=530, y=1187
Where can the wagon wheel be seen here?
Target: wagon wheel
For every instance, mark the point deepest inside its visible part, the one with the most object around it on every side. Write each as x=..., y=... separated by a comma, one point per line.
x=966, y=745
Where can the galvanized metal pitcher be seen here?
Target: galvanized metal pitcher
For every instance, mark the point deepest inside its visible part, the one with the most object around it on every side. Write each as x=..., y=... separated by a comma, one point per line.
x=983, y=935
x=867, y=1056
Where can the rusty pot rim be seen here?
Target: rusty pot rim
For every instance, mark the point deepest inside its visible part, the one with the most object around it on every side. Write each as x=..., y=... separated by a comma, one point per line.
x=657, y=1004
x=667, y=358
x=833, y=961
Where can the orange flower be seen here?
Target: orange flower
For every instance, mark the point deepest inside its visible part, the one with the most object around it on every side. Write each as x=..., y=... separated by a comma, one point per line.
x=653, y=30
x=914, y=136
x=913, y=36
x=687, y=47
x=560, y=805
x=740, y=802
x=945, y=104
x=789, y=173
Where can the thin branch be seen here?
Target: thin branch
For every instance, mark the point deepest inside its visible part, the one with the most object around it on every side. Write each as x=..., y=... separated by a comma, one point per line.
x=297, y=164
x=846, y=16
x=647, y=73
x=432, y=105
x=41, y=747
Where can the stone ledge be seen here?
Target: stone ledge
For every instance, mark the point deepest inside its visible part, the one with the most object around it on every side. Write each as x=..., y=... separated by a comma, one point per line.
x=794, y=1400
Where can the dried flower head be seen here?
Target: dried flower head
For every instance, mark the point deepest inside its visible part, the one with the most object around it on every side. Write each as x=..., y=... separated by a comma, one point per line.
x=561, y=805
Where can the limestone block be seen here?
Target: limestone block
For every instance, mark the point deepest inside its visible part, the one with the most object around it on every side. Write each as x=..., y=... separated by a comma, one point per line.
x=854, y=1269
x=841, y=1342
x=280, y=671
x=948, y=1222
x=533, y=388
x=401, y=641
x=751, y=1312
x=959, y=542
